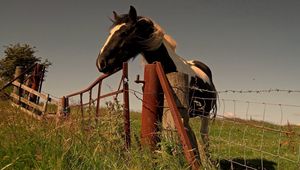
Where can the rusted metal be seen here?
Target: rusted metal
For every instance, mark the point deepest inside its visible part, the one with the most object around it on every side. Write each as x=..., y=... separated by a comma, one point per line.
x=98, y=101
x=187, y=147
x=138, y=80
x=101, y=97
x=125, y=92
x=90, y=106
x=126, y=105
x=36, y=79
x=90, y=98
x=103, y=76
x=111, y=94
x=151, y=112
x=81, y=105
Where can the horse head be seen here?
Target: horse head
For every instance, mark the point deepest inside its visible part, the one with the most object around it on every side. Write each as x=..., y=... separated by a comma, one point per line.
x=129, y=35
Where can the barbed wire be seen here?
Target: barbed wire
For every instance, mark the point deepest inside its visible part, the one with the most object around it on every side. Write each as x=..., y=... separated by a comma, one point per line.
x=136, y=93
x=283, y=132
x=259, y=91
x=246, y=91
x=228, y=137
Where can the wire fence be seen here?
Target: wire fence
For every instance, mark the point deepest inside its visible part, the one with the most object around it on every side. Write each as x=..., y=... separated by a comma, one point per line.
x=254, y=143
x=253, y=134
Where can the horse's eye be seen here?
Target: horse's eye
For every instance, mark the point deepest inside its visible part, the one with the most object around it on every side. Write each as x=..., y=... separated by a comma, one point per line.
x=124, y=34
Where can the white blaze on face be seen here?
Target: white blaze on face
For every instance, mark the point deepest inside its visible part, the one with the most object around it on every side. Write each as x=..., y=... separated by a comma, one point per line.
x=201, y=74
x=112, y=32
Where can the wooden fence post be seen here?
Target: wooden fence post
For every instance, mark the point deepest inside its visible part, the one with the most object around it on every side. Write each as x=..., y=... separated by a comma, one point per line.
x=62, y=107
x=182, y=132
x=179, y=83
x=18, y=90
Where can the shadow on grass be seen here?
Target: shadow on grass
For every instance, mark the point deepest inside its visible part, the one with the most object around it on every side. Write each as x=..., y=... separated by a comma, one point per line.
x=241, y=164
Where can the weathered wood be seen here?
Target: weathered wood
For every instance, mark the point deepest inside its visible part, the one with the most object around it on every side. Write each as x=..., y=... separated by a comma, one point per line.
x=30, y=90
x=179, y=83
x=29, y=103
x=62, y=106
x=27, y=111
x=19, y=78
x=185, y=140
x=41, y=95
x=45, y=105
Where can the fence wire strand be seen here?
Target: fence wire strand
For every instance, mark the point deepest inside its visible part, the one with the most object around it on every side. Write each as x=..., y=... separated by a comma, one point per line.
x=261, y=128
x=224, y=141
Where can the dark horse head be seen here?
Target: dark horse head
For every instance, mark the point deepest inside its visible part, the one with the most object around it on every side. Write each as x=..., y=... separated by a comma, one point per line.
x=125, y=40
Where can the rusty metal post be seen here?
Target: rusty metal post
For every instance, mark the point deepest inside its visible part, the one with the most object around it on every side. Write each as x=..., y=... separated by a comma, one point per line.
x=151, y=110
x=98, y=102
x=81, y=105
x=126, y=105
x=36, y=77
x=90, y=106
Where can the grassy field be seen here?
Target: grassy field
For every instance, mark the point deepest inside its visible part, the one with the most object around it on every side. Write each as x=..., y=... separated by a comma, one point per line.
x=26, y=143
x=235, y=143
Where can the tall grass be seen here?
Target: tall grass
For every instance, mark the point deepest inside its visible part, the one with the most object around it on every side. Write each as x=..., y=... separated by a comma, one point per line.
x=72, y=144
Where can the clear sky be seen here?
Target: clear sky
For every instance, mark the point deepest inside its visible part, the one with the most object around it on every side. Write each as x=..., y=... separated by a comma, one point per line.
x=248, y=44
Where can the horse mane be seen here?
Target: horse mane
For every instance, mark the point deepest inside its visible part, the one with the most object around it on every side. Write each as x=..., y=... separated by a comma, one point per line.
x=156, y=38
x=171, y=41
x=166, y=37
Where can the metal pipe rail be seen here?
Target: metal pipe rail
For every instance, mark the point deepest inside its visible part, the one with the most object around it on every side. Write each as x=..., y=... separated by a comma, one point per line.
x=65, y=106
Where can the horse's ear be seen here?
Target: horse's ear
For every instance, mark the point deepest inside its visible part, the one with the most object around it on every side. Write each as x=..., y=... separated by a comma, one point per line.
x=145, y=26
x=116, y=16
x=144, y=23
x=132, y=13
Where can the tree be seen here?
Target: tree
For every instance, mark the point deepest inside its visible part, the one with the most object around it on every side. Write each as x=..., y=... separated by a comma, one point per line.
x=17, y=55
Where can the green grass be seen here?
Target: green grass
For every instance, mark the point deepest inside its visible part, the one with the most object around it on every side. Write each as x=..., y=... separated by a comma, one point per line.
x=26, y=143
x=71, y=144
x=247, y=142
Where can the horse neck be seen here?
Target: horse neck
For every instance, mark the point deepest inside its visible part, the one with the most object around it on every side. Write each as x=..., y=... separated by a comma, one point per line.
x=170, y=61
x=161, y=55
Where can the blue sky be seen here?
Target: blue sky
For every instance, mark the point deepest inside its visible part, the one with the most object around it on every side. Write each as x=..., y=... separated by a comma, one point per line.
x=248, y=44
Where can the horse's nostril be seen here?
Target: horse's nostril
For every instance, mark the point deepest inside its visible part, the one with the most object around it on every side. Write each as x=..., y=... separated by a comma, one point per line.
x=102, y=64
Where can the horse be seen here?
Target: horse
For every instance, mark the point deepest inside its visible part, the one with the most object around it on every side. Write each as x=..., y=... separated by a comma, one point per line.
x=131, y=35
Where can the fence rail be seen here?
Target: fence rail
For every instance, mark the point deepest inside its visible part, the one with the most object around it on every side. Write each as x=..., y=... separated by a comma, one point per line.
x=97, y=85
x=32, y=106
x=26, y=92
